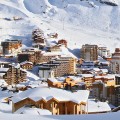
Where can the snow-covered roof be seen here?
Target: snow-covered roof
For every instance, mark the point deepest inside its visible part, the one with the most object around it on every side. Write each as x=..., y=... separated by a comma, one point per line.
x=109, y=76
x=53, y=79
x=98, y=106
x=4, y=69
x=2, y=61
x=104, y=70
x=33, y=111
x=75, y=78
x=25, y=62
x=96, y=69
x=87, y=75
x=1, y=74
x=117, y=75
x=3, y=83
x=105, y=116
x=20, y=85
x=16, y=65
x=62, y=79
x=37, y=94
x=51, y=53
x=81, y=83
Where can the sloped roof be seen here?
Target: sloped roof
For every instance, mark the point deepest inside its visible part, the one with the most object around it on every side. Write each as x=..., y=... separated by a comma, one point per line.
x=25, y=62
x=4, y=69
x=47, y=94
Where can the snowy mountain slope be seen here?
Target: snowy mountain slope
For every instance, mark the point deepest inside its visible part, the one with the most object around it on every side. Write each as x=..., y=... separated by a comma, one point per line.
x=77, y=21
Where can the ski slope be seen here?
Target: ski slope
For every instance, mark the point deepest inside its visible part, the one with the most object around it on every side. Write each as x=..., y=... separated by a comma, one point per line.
x=79, y=22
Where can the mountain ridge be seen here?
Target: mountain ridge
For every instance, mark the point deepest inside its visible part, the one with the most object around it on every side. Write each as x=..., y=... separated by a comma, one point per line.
x=79, y=22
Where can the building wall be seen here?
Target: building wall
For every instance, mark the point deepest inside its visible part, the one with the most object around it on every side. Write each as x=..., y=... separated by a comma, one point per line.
x=109, y=92
x=26, y=101
x=89, y=81
x=14, y=76
x=46, y=74
x=89, y=52
x=115, y=62
x=56, y=107
x=103, y=52
x=11, y=47
x=65, y=67
x=27, y=66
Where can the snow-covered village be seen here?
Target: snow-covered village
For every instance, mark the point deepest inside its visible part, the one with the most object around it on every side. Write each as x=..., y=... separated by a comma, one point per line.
x=59, y=59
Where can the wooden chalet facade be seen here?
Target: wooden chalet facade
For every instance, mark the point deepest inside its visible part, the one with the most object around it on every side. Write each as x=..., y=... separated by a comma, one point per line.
x=55, y=105
x=68, y=84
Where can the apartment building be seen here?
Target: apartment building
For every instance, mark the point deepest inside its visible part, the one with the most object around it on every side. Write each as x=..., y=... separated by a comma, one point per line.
x=48, y=56
x=89, y=52
x=58, y=67
x=31, y=55
x=12, y=74
x=103, y=52
x=108, y=90
x=11, y=47
x=115, y=62
x=38, y=36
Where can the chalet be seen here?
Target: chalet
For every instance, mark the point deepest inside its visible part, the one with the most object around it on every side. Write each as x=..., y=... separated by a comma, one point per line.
x=62, y=42
x=57, y=101
x=26, y=65
x=11, y=47
x=67, y=83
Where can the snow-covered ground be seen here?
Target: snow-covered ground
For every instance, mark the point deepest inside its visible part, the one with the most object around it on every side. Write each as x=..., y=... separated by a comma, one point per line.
x=77, y=21
x=107, y=116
